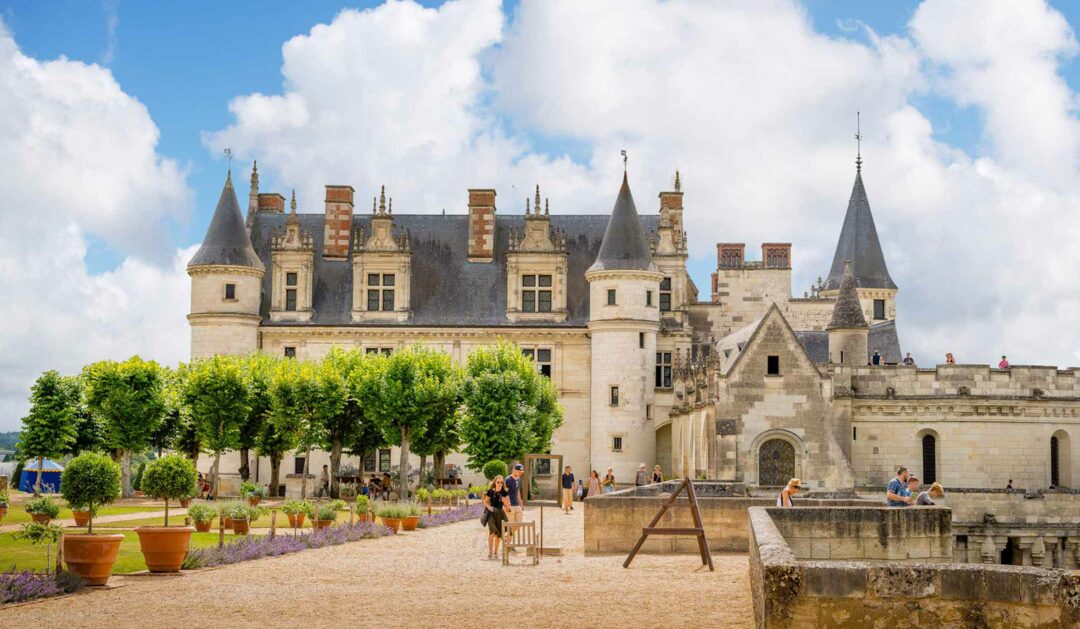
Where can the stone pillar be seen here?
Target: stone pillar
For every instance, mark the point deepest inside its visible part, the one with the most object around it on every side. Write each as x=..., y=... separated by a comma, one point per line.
x=1038, y=552
x=989, y=552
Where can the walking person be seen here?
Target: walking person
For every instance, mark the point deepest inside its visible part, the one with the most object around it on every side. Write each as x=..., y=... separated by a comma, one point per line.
x=657, y=475
x=324, y=481
x=642, y=477
x=513, y=486
x=896, y=493
x=787, y=493
x=497, y=505
x=925, y=498
x=609, y=482
x=594, y=484
x=567, y=490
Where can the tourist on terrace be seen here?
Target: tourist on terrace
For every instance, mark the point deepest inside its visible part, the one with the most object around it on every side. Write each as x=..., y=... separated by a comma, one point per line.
x=1004, y=364
x=896, y=494
x=912, y=488
x=642, y=477
x=513, y=485
x=787, y=493
x=1009, y=484
x=875, y=360
x=949, y=360
x=497, y=505
x=935, y=491
x=567, y=490
x=908, y=360
x=609, y=482
x=594, y=484
x=657, y=474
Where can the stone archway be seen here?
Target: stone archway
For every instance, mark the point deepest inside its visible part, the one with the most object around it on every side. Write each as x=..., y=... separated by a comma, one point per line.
x=776, y=462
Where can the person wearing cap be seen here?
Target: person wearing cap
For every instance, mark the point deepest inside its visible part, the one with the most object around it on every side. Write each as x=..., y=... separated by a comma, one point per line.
x=784, y=499
x=513, y=486
x=935, y=491
x=642, y=477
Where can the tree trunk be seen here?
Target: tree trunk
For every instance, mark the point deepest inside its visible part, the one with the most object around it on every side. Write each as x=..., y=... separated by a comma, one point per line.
x=403, y=466
x=335, y=465
x=214, y=471
x=166, y=512
x=423, y=468
x=307, y=466
x=125, y=477
x=440, y=465
x=90, y=521
x=245, y=467
x=275, y=469
x=37, y=484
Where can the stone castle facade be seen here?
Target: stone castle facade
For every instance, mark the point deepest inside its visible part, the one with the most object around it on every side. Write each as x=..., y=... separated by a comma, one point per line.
x=747, y=384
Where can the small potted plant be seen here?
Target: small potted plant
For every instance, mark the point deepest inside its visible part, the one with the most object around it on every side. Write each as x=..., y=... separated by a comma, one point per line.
x=91, y=479
x=241, y=516
x=325, y=516
x=347, y=491
x=3, y=504
x=363, y=507
x=296, y=510
x=80, y=513
x=252, y=492
x=202, y=516
x=42, y=510
x=169, y=478
x=391, y=515
x=185, y=501
x=412, y=516
x=36, y=533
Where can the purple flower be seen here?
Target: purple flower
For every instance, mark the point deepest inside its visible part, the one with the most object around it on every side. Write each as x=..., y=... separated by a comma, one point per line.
x=471, y=512
x=26, y=585
x=257, y=547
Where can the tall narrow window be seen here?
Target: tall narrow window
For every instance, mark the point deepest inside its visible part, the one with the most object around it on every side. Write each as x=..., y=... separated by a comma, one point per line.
x=611, y=297
x=641, y=340
x=298, y=465
x=879, y=309
x=614, y=400
x=616, y=444
x=1055, y=463
x=230, y=292
x=773, y=366
x=369, y=462
x=290, y=291
x=929, y=459
x=536, y=293
x=380, y=292
x=384, y=460
x=663, y=370
x=648, y=298
x=665, y=294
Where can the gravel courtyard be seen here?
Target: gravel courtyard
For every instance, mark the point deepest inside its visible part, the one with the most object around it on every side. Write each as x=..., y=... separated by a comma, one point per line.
x=433, y=578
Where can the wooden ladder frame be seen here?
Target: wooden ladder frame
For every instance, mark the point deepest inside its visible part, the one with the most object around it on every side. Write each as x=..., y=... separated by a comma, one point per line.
x=698, y=530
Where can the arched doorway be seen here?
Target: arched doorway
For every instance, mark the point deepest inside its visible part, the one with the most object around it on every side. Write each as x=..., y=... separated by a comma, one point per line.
x=776, y=462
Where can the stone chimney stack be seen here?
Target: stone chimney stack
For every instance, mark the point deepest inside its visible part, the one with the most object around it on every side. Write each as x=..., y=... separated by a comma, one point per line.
x=339, y=211
x=671, y=204
x=481, y=225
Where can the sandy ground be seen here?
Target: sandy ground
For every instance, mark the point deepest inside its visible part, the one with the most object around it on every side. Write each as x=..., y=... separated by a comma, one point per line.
x=433, y=578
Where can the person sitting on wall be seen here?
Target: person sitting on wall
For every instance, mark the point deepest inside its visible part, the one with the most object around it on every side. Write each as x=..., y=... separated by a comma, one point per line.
x=1009, y=485
x=908, y=360
x=787, y=493
x=1004, y=364
x=896, y=493
x=925, y=498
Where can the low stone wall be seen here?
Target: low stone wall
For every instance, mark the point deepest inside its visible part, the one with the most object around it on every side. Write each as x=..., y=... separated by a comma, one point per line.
x=613, y=522
x=788, y=592
x=836, y=533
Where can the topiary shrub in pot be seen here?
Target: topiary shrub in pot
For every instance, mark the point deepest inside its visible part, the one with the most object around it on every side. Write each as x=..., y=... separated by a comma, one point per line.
x=363, y=508
x=42, y=510
x=4, y=502
x=169, y=478
x=391, y=515
x=202, y=516
x=81, y=514
x=325, y=516
x=252, y=492
x=412, y=516
x=297, y=510
x=91, y=479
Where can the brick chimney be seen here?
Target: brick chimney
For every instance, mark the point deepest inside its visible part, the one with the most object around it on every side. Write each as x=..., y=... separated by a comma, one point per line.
x=776, y=255
x=730, y=255
x=271, y=202
x=481, y=225
x=671, y=203
x=339, y=210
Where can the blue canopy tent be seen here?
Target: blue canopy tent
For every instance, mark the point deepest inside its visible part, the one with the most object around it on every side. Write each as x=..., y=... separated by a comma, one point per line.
x=50, y=476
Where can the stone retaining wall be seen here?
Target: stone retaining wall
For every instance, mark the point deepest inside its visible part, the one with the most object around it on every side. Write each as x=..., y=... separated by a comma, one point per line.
x=834, y=533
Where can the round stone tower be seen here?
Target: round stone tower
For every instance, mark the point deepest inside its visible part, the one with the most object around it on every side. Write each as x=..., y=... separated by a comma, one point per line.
x=624, y=319
x=848, y=332
x=226, y=284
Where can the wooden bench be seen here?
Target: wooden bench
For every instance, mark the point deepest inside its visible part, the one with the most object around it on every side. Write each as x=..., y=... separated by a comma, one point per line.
x=520, y=535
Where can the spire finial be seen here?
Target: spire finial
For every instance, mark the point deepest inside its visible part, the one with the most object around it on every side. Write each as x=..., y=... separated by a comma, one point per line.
x=526, y=206
x=678, y=182
x=546, y=207
x=536, y=204
x=382, y=200
x=292, y=204
x=858, y=141
x=255, y=176
x=228, y=156
x=625, y=157
x=373, y=202
x=390, y=210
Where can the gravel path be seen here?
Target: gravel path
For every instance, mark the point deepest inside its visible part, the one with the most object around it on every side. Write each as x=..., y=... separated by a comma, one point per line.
x=433, y=578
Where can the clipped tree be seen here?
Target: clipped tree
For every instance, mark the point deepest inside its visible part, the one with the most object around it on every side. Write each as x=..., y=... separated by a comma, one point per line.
x=443, y=432
x=274, y=444
x=172, y=477
x=128, y=398
x=341, y=429
x=50, y=429
x=296, y=407
x=91, y=479
x=510, y=408
x=402, y=392
x=258, y=374
x=216, y=397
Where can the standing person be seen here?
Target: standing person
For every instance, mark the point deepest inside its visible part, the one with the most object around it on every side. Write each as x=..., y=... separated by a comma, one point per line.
x=949, y=360
x=908, y=360
x=912, y=489
x=787, y=493
x=609, y=482
x=875, y=360
x=497, y=504
x=567, y=490
x=386, y=485
x=895, y=493
x=642, y=477
x=657, y=475
x=1009, y=485
x=594, y=484
x=1004, y=364
x=513, y=485
x=324, y=481
x=580, y=489
x=925, y=499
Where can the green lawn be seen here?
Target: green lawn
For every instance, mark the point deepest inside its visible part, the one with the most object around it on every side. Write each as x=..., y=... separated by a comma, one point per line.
x=22, y=555
x=17, y=515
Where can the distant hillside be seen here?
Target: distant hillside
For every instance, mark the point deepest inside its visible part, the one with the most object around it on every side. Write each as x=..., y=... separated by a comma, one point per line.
x=8, y=439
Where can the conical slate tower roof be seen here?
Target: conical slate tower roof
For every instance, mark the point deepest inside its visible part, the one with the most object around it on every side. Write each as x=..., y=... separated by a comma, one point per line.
x=625, y=247
x=859, y=244
x=847, y=313
x=226, y=241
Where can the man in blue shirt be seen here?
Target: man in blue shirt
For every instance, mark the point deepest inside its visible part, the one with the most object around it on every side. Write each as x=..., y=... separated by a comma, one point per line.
x=513, y=485
x=897, y=494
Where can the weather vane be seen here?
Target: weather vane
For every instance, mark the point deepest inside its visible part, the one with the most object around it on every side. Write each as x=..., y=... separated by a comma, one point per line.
x=624, y=158
x=228, y=156
x=858, y=140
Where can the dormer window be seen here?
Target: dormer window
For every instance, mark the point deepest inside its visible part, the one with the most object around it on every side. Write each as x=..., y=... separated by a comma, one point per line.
x=380, y=292
x=665, y=295
x=290, y=291
x=536, y=293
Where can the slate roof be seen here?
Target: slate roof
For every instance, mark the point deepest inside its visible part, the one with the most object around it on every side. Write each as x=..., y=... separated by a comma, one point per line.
x=625, y=246
x=226, y=241
x=882, y=337
x=847, y=312
x=447, y=290
x=859, y=243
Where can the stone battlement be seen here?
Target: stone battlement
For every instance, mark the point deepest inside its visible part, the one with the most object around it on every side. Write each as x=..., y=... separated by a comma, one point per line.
x=1019, y=381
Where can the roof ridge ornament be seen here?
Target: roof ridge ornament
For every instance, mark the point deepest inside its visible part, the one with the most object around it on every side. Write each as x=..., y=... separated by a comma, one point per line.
x=382, y=200
x=536, y=204
x=255, y=175
x=858, y=141
x=678, y=182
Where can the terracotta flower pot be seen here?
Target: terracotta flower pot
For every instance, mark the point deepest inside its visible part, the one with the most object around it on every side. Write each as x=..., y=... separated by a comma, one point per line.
x=362, y=517
x=164, y=547
x=91, y=556
x=138, y=493
x=254, y=500
x=322, y=524
x=41, y=518
x=3, y=512
x=408, y=523
x=296, y=520
x=185, y=503
x=82, y=518
x=203, y=527
x=227, y=522
x=393, y=523
x=240, y=527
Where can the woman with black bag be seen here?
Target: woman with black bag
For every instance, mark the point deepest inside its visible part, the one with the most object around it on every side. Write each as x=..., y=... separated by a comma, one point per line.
x=496, y=506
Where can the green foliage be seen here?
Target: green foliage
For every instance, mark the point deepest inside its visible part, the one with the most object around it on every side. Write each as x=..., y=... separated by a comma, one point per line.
x=128, y=397
x=491, y=469
x=89, y=431
x=247, y=488
x=4, y=500
x=216, y=395
x=338, y=505
x=37, y=533
x=171, y=477
x=44, y=505
x=294, y=507
x=50, y=429
x=258, y=376
x=91, y=479
x=510, y=409
x=363, y=505
x=326, y=512
x=411, y=509
x=136, y=483
x=477, y=490
x=201, y=513
x=391, y=510
x=423, y=494
x=243, y=511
